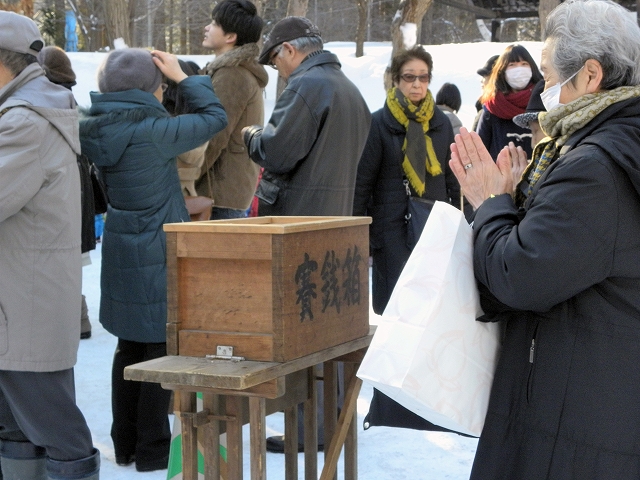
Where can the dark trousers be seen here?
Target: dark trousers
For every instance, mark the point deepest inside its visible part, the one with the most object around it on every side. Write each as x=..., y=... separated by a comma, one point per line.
x=40, y=408
x=224, y=213
x=140, y=421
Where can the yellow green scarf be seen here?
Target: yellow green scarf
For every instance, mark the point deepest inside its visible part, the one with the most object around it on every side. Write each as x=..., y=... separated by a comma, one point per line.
x=417, y=147
x=562, y=122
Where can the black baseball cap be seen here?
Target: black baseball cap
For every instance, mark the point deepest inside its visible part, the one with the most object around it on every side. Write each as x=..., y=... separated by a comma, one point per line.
x=285, y=30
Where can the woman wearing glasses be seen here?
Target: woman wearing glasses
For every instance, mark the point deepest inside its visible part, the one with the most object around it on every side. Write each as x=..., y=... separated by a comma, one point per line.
x=407, y=152
x=505, y=95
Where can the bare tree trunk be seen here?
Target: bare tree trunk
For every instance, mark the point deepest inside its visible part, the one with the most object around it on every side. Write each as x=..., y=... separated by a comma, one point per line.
x=60, y=23
x=159, y=35
x=361, y=31
x=183, y=29
x=195, y=35
x=117, y=20
x=297, y=8
x=544, y=9
x=409, y=12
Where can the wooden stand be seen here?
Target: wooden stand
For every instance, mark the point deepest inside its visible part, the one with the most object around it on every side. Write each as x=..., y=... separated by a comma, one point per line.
x=236, y=391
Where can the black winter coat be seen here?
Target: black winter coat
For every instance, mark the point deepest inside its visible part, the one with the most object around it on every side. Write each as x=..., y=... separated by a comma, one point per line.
x=565, y=280
x=380, y=193
x=313, y=140
x=496, y=133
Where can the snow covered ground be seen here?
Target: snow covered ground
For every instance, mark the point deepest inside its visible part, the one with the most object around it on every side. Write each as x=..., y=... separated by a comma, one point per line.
x=384, y=453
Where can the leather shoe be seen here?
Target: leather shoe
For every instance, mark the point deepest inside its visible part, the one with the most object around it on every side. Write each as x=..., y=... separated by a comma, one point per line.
x=275, y=444
x=124, y=460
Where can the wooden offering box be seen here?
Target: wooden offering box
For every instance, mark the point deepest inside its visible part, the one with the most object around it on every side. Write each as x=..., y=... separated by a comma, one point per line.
x=273, y=288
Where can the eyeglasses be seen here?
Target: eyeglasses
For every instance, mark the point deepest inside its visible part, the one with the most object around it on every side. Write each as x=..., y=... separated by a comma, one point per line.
x=410, y=78
x=164, y=87
x=272, y=57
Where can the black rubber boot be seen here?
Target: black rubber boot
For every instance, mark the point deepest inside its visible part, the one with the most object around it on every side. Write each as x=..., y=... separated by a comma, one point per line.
x=22, y=461
x=83, y=469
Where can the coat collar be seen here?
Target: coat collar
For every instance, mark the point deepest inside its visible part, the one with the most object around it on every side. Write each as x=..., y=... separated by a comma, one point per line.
x=243, y=56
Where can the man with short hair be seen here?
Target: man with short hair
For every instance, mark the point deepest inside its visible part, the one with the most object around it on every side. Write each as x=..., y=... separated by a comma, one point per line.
x=312, y=144
x=228, y=175
x=43, y=434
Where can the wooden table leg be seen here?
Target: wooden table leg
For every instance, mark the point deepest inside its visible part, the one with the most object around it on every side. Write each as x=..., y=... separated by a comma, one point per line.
x=189, y=435
x=234, y=437
x=311, y=428
x=211, y=438
x=351, y=442
x=291, y=443
x=258, y=438
x=332, y=453
x=330, y=407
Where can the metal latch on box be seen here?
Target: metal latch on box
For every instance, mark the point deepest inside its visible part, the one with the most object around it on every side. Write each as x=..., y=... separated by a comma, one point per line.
x=224, y=352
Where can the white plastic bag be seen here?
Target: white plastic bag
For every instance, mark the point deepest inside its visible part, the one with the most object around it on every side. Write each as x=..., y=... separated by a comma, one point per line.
x=429, y=353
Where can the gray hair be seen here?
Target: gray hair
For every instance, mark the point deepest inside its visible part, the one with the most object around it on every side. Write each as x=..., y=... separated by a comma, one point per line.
x=307, y=44
x=16, y=62
x=579, y=30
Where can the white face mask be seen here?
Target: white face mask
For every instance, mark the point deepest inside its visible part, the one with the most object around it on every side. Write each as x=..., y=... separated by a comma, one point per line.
x=551, y=96
x=518, y=77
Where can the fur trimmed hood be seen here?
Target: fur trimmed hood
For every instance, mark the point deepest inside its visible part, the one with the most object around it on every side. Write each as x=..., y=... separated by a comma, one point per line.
x=245, y=56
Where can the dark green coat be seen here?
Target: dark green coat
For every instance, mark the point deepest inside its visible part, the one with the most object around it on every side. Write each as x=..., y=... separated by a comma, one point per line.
x=133, y=141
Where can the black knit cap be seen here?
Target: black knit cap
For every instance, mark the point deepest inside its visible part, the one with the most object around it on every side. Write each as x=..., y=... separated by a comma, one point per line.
x=285, y=30
x=534, y=107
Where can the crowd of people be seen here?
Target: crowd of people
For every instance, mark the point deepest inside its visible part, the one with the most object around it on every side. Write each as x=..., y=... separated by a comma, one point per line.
x=547, y=177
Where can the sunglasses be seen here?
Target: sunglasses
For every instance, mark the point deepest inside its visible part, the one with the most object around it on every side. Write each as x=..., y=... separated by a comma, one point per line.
x=410, y=78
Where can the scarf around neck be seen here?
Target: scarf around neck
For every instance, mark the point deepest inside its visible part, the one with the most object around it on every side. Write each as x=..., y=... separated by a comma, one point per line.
x=419, y=155
x=509, y=105
x=563, y=121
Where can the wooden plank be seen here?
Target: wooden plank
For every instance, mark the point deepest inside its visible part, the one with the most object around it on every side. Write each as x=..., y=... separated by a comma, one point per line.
x=211, y=438
x=272, y=389
x=172, y=279
x=291, y=443
x=189, y=436
x=351, y=442
x=258, y=438
x=224, y=245
x=330, y=373
x=325, y=288
x=234, y=408
x=195, y=343
x=226, y=295
x=172, y=339
x=200, y=372
x=332, y=454
x=311, y=427
x=266, y=225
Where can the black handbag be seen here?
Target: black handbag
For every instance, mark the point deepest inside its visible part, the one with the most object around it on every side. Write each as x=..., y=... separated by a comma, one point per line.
x=100, y=197
x=418, y=210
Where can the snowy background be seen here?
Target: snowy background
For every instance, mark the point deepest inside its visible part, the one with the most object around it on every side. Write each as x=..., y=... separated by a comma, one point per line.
x=384, y=453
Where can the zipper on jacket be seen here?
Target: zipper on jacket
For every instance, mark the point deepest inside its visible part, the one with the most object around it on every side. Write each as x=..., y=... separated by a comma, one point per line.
x=532, y=350
x=532, y=356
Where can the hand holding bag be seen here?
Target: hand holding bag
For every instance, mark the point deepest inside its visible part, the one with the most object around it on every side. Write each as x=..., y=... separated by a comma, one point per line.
x=429, y=353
